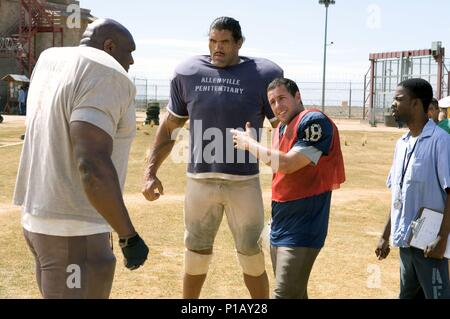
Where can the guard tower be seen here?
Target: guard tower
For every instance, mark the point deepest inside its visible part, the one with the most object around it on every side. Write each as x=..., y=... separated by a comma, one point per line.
x=387, y=69
x=28, y=27
x=34, y=18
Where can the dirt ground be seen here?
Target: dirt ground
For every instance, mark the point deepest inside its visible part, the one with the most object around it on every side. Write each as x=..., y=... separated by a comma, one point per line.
x=343, y=124
x=345, y=268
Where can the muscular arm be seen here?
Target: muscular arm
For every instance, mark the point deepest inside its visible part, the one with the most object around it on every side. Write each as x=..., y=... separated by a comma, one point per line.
x=92, y=148
x=162, y=147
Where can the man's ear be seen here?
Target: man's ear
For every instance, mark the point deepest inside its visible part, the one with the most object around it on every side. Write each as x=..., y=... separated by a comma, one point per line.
x=240, y=42
x=417, y=104
x=298, y=98
x=109, y=46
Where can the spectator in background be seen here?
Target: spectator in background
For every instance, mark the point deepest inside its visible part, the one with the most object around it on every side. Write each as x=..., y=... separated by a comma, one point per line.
x=22, y=99
x=444, y=121
x=433, y=111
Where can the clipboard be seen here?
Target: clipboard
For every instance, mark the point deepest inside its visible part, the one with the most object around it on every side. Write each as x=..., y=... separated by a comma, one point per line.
x=425, y=228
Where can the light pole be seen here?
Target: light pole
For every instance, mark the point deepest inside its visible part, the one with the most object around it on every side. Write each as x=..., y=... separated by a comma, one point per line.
x=327, y=4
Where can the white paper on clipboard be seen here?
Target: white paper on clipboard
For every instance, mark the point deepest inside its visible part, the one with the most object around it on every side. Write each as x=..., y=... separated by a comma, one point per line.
x=426, y=228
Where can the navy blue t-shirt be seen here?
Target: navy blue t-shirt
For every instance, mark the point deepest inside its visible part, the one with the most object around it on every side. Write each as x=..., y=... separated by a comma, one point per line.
x=304, y=222
x=216, y=100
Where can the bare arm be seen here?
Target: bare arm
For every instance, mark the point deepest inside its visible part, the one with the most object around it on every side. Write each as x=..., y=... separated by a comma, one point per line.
x=92, y=148
x=279, y=161
x=164, y=142
x=382, y=250
x=282, y=162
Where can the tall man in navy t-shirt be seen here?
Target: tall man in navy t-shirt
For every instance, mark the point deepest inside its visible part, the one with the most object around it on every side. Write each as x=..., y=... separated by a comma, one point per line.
x=216, y=93
x=307, y=162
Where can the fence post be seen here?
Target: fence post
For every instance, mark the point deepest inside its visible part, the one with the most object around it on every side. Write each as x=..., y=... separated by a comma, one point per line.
x=146, y=94
x=134, y=83
x=372, y=93
x=350, y=102
x=364, y=97
x=448, y=83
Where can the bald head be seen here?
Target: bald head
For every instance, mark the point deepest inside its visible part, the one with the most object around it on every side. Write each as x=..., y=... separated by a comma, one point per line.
x=113, y=38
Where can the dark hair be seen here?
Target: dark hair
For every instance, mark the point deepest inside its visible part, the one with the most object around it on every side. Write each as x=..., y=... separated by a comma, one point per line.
x=287, y=83
x=435, y=103
x=419, y=89
x=227, y=23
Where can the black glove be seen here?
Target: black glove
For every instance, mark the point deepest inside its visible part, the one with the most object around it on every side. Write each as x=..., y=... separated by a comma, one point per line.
x=135, y=252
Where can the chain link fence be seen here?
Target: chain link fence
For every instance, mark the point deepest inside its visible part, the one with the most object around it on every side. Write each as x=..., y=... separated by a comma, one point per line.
x=151, y=90
x=342, y=99
x=388, y=73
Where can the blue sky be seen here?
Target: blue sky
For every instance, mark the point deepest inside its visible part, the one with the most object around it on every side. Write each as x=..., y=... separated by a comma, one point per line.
x=290, y=32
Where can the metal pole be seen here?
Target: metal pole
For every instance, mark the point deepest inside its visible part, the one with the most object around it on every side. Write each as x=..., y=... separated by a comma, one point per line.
x=135, y=96
x=324, y=58
x=350, y=102
x=364, y=98
x=390, y=76
x=448, y=83
x=429, y=69
x=383, y=83
x=372, y=92
x=402, y=68
x=30, y=49
x=439, y=75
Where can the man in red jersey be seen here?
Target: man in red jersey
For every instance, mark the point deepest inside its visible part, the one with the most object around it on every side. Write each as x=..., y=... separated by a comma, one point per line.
x=307, y=162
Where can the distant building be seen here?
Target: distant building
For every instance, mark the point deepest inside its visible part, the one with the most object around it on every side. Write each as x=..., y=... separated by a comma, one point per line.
x=28, y=27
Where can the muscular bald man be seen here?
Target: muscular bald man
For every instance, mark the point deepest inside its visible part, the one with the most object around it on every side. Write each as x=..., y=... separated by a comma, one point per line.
x=80, y=125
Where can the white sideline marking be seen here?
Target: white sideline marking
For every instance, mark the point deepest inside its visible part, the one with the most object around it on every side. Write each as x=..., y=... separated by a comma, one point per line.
x=11, y=144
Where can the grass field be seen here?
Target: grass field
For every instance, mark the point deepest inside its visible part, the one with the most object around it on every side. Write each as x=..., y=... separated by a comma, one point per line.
x=346, y=267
